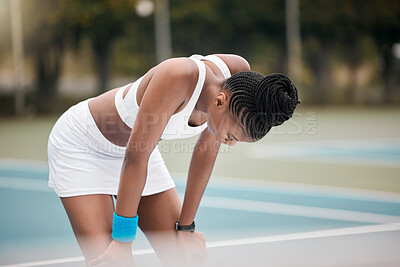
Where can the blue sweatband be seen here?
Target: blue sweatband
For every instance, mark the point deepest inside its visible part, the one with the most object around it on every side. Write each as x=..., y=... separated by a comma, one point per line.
x=124, y=229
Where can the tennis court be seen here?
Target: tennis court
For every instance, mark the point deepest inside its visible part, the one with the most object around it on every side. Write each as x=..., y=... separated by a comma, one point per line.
x=297, y=198
x=251, y=223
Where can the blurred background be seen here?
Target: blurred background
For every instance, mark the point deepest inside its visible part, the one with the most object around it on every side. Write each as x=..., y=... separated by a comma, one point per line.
x=340, y=152
x=57, y=52
x=344, y=57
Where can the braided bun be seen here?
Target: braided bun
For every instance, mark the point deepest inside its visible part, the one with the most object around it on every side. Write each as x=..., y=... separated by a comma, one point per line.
x=261, y=102
x=276, y=99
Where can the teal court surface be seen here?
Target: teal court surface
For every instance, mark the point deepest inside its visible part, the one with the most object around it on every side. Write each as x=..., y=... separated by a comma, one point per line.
x=246, y=223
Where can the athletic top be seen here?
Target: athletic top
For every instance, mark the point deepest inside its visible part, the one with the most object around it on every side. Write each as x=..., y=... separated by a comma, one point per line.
x=177, y=126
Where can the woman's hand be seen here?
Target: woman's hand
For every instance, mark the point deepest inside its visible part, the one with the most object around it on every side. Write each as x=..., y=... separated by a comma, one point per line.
x=117, y=254
x=193, y=247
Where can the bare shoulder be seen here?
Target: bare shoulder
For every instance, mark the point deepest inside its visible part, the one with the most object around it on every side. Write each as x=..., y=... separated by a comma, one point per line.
x=182, y=68
x=173, y=81
x=235, y=63
x=167, y=89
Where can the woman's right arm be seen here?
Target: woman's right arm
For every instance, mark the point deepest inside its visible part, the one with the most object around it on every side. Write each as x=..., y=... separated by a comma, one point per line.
x=166, y=91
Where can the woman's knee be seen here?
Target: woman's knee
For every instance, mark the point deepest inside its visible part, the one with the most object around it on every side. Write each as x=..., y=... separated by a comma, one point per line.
x=159, y=212
x=91, y=220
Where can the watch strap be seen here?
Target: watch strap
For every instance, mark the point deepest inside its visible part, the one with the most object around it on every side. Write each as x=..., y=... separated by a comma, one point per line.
x=185, y=228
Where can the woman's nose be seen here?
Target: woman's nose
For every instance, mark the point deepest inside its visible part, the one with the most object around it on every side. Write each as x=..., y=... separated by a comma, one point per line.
x=230, y=142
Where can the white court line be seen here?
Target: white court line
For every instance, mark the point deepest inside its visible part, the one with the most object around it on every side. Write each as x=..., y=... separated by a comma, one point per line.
x=241, y=205
x=296, y=210
x=371, y=142
x=253, y=185
x=345, y=143
x=369, y=229
x=71, y=259
x=248, y=184
x=331, y=160
x=24, y=184
x=300, y=151
x=236, y=184
x=24, y=162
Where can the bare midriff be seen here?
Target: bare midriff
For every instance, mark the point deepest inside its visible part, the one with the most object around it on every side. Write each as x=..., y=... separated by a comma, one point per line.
x=107, y=119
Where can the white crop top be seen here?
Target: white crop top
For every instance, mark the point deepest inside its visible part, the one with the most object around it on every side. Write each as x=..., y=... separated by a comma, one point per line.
x=178, y=124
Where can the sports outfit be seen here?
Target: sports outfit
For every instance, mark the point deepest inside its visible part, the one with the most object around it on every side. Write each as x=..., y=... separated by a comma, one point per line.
x=83, y=162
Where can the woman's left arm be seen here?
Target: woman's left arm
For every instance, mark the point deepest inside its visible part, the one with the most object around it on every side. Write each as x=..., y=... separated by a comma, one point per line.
x=201, y=165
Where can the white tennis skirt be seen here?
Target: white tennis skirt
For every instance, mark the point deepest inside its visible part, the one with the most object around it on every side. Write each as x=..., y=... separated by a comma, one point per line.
x=83, y=162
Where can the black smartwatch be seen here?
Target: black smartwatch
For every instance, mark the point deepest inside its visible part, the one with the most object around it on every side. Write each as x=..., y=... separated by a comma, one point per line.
x=185, y=228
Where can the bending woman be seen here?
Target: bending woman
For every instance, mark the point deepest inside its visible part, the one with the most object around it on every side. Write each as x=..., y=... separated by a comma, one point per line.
x=107, y=146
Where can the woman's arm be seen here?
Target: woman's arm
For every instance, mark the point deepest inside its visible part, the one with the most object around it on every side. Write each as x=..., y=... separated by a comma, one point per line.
x=170, y=85
x=166, y=91
x=204, y=155
x=201, y=165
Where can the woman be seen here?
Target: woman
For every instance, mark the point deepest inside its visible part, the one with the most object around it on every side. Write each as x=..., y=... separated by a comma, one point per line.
x=107, y=146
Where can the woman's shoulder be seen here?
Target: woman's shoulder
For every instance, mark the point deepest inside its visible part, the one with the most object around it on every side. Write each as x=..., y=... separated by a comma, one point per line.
x=235, y=63
x=179, y=67
x=176, y=74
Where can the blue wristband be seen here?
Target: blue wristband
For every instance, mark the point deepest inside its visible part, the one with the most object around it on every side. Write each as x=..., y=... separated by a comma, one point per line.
x=124, y=229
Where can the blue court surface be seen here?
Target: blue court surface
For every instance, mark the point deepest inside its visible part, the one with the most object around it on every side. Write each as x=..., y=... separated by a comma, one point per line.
x=246, y=223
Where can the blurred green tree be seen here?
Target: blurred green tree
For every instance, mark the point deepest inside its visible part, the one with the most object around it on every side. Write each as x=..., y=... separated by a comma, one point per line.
x=331, y=25
x=103, y=21
x=50, y=25
x=46, y=32
x=5, y=41
x=323, y=26
x=382, y=19
x=248, y=28
x=331, y=30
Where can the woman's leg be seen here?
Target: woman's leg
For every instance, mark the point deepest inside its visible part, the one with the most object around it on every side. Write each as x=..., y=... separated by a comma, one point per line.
x=157, y=216
x=91, y=219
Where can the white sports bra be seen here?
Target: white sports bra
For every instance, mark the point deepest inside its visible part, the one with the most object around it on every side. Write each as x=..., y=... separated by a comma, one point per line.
x=177, y=126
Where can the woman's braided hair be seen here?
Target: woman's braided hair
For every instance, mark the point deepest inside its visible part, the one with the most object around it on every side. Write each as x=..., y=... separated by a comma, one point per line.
x=261, y=102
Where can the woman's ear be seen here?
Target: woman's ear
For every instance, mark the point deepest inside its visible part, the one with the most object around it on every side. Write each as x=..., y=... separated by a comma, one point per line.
x=220, y=99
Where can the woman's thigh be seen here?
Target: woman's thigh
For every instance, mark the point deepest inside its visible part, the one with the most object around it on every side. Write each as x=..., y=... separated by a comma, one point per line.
x=91, y=219
x=157, y=216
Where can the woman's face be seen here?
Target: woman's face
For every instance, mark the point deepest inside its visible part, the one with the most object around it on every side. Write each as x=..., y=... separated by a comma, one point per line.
x=222, y=124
